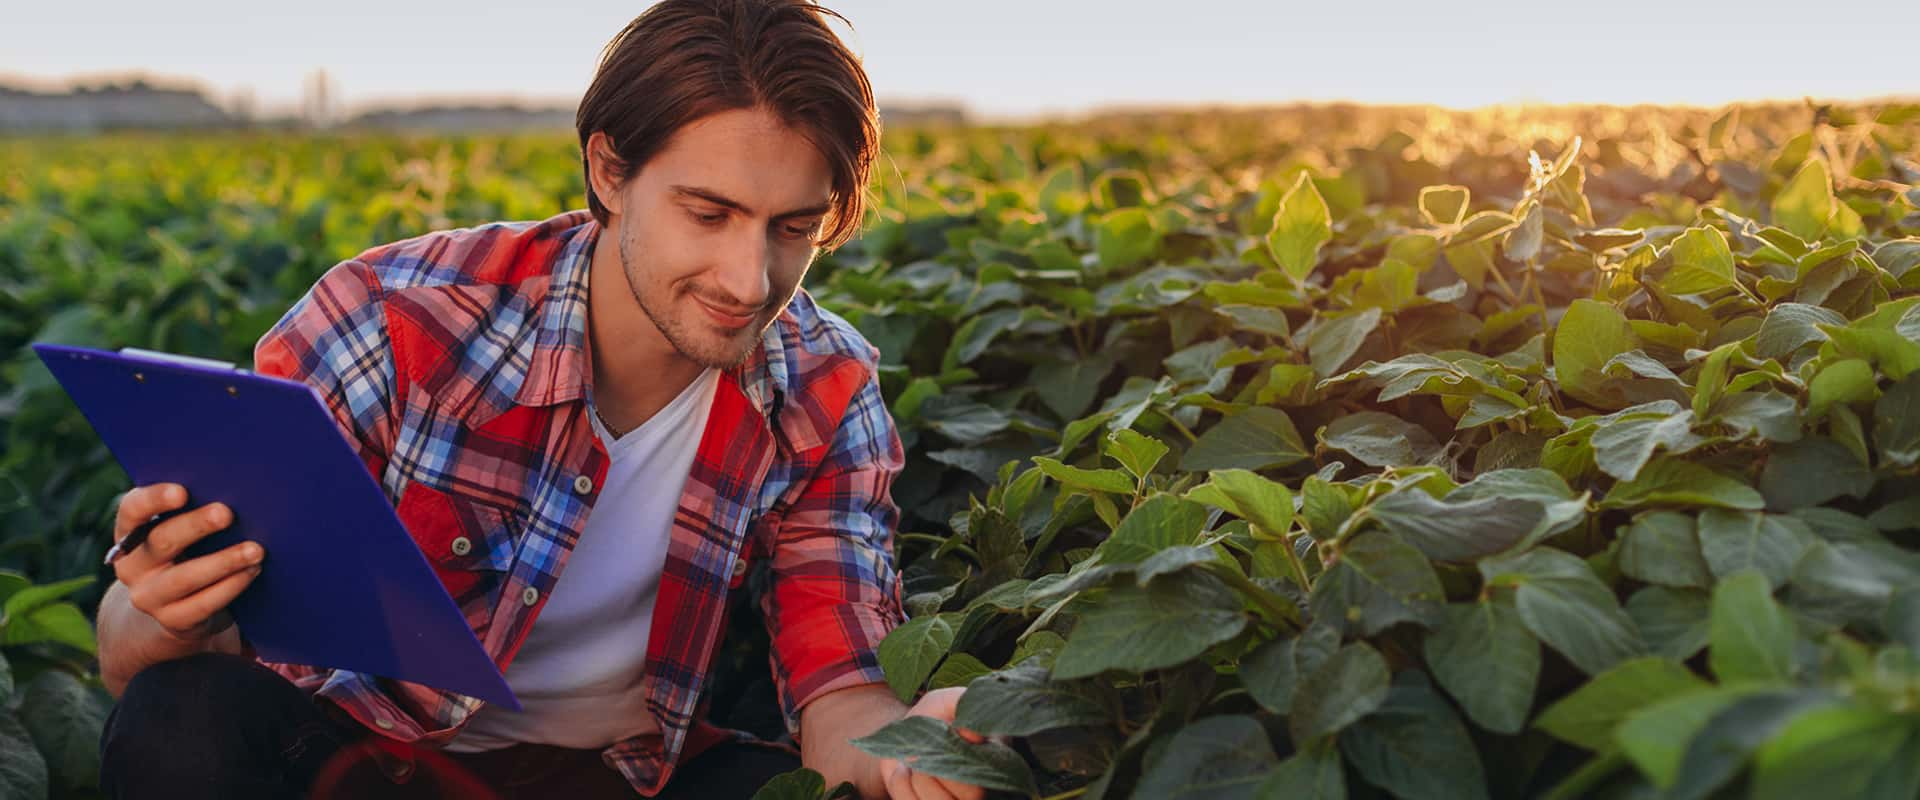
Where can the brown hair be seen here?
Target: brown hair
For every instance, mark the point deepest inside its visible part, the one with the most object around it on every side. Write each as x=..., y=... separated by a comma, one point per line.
x=682, y=60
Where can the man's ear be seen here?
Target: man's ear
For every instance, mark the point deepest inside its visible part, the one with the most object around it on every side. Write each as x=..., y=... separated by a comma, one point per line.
x=604, y=169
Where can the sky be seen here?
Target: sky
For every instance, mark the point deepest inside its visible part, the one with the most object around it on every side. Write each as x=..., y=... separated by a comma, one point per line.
x=1021, y=57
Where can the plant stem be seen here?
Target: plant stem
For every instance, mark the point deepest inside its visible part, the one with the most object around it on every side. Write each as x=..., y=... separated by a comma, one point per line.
x=1274, y=608
x=1066, y=794
x=1299, y=567
x=1181, y=428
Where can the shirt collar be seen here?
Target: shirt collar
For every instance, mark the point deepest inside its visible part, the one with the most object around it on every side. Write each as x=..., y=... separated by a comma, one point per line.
x=560, y=365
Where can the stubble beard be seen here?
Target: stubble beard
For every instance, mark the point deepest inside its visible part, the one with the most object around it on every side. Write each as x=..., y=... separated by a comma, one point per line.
x=700, y=347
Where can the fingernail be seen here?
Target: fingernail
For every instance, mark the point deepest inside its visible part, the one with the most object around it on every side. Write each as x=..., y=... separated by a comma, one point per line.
x=253, y=552
x=220, y=515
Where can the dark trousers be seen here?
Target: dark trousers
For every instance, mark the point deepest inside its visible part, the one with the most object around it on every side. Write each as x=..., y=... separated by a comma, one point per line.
x=223, y=726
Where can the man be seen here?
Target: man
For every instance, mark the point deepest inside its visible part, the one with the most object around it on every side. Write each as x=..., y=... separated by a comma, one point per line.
x=650, y=360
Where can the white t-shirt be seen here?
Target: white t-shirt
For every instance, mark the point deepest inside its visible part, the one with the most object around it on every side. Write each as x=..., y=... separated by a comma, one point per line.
x=578, y=675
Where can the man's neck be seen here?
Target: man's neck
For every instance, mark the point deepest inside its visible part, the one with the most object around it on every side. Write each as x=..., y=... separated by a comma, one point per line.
x=636, y=371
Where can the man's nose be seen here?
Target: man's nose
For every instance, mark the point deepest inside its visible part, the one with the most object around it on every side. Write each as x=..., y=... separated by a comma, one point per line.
x=742, y=272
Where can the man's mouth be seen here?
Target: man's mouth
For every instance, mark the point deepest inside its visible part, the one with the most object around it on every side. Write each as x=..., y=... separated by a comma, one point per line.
x=726, y=318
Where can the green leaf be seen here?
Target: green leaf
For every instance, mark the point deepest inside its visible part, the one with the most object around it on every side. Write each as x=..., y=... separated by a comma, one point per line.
x=1446, y=530
x=1162, y=522
x=1830, y=752
x=911, y=651
x=1672, y=621
x=1565, y=605
x=1752, y=636
x=66, y=718
x=1323, y=507
x=973, y=337
x=1896, y=423
x=928, y=745
x=1068, y=389
x=1270, y=674
x=1444, y=205
x=1257, y=438
x=27, y=599
x=1523, y=241
x=1623, y=446
x=1768, y=543
x=1334, y=340
x=1022, y=701
x=1215, y=757
x=1175, y=618
x=60, y=622
x=1347, y=687
x=1843, y=382
x=1378, y=582
x=1301, y=226
x=1805, y=205
x=1094, y=480
x=1701, y=262
x=23, y=771
x=1414, y=746
x=1263, y=503
x=1671, y=481
x=1124, y=238
x=958, y=670
x=1724, y=744
x=1589, y=716
x=1483, y=655
x=1589, y=335
x=800, y=784
x=1811, y=472
x=1137, y=452
x=1663, y=548
x=1380, y=440
x=1313, y=772
x=1656, y=737
x=1791, y=326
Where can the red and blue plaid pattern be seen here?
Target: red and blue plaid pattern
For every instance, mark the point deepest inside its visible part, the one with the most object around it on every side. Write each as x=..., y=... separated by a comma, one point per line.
x=458, y=366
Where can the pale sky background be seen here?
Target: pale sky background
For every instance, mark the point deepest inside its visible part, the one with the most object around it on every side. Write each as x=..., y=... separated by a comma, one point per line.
x=1022, y=57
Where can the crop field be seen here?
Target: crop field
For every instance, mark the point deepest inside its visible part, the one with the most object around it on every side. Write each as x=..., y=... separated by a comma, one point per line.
x=1301, y=453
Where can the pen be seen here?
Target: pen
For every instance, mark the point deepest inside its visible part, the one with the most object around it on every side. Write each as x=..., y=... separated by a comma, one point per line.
x=139, y=535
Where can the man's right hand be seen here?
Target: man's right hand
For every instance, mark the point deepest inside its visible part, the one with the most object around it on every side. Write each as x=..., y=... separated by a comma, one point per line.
x=159, y=609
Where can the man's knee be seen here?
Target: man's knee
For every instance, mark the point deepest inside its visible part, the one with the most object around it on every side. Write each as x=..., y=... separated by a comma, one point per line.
x=206, y=716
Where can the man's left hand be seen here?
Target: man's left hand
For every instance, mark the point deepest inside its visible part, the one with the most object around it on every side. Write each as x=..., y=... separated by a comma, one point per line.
x=903, y=783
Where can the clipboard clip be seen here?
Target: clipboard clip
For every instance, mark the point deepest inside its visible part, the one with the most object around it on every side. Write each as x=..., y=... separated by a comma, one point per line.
x=171, y=358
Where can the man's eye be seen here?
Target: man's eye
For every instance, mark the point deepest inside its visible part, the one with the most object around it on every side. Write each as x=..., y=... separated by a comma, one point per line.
x=800, y=231
x=708, y=219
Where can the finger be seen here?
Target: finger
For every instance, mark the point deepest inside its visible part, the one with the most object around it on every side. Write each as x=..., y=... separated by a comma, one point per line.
x=966, y=791
x=899, y=783
x=968, y=735
x=172, y=537
x=171, y=583
x=189, y=618
x=942, y=703
x=142, y=502
x=928, y=787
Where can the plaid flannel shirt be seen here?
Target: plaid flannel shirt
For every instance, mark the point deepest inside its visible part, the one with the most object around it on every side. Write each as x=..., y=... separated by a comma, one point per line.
x=457, y=364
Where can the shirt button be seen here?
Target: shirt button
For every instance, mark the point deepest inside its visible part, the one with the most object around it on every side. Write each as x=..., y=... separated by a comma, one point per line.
x=461, y=546
x=582, y=484
x=383, y=724
x=739, y=567
x=530, y=596
x=402, y=770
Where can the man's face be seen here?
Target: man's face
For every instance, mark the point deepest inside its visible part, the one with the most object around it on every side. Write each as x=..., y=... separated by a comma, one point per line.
x=717, y=229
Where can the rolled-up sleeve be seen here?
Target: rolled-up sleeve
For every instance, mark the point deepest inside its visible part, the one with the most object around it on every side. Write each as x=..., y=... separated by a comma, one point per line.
x=835, y=591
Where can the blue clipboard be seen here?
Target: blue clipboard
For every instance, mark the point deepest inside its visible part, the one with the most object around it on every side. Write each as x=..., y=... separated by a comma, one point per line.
x=343, y=585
